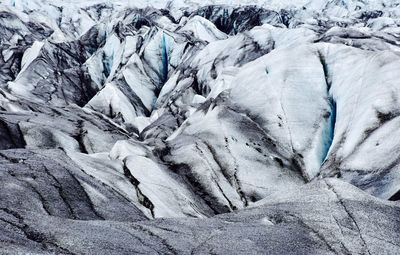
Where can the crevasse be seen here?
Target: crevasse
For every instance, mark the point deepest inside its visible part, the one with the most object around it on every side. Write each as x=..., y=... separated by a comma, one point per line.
x=163, y=68
x=164, y=60
x=329, y=131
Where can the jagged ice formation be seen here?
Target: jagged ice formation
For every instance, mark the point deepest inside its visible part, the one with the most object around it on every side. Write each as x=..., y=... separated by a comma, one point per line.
x=199, y=127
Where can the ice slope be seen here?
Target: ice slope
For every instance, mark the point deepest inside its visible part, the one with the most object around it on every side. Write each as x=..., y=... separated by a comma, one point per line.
x=271, y=125
x=364, y=119
x=287, y=224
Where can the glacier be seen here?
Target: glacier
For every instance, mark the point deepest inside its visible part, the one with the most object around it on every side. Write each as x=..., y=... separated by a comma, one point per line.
x=199, y=127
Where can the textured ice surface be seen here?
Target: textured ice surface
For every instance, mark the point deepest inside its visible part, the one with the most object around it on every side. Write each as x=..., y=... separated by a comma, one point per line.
x=199, y=127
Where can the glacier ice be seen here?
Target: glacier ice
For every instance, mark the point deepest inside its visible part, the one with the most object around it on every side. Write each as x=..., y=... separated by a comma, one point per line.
x=201, y=127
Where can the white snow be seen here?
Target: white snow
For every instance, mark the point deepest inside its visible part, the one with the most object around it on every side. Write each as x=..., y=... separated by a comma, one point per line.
x=30, y=55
